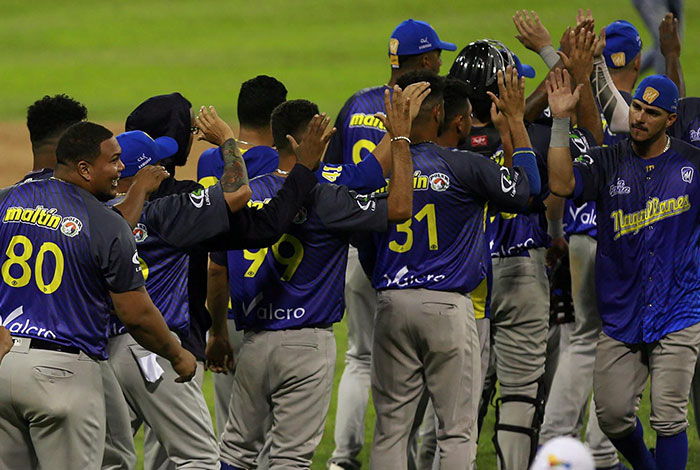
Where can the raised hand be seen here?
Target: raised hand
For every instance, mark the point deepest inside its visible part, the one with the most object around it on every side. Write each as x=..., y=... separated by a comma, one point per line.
x=314, y=141
x=669, y=38
x=599, y=44
x=397, y=119
x=150, y=177
x=579, y=61
x=416, y=93
x=583, y=15
x=213, y=129
x=562, y=101
x=531, y=32
x=511, y=91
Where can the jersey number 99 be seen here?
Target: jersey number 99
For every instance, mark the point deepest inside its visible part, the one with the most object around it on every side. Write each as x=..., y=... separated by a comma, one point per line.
x=18, y=253
x=290, y=262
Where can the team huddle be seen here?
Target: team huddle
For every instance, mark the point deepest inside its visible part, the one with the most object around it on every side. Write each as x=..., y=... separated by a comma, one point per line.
x=539, y=255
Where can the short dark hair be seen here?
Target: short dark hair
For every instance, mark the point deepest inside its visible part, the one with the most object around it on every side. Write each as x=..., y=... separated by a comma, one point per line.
x=257, y=99
x=456, y=97
x=437, y=85
x=291, y=118
x=51, y=115
x=81, y=141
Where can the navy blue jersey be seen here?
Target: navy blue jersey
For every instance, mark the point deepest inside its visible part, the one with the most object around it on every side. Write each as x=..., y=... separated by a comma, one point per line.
x=580, y=219
x=63, y=251
x=363, y=177
x=648, y=259
x=357, y=130
x=687, y=125
x=168, y=227
x=442, y=247
x=258, y=160
x=300, y=280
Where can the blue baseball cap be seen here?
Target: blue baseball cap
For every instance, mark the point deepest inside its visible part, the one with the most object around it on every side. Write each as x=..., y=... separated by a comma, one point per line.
x=139, y=150
x=413, y=37
x=524, y=70
x=622, y=44
x=659, y=91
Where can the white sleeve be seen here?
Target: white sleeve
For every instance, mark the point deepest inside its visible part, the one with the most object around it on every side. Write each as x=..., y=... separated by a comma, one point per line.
x=615, y=108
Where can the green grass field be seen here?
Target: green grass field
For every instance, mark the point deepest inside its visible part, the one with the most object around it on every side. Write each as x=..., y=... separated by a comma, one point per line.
x=112, y=55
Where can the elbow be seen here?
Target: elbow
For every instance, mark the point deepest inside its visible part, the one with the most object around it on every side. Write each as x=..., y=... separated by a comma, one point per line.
x=239, y=198
x=561, y=188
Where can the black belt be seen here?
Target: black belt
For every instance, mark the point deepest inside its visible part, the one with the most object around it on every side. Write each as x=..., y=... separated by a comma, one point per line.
x=51, y=346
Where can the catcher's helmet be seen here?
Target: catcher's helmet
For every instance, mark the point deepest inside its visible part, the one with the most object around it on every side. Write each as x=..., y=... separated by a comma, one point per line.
x=477, y=64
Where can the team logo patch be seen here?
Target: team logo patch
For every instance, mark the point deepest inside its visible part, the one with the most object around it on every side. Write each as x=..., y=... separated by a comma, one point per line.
x=301, y=216
x=140, y=233
x=585, y=159
x=650, y=94
x=393, y=46
x=619, y=188
x=507, y=183
x=439, y=181
x=618, y=59
x=687, y=173
x=480, y=140
x=199, y=197
x=424, y=43
x=71, y=226
x=694, y=135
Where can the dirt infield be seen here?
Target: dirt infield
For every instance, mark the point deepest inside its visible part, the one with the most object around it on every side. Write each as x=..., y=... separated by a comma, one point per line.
x=16, y=153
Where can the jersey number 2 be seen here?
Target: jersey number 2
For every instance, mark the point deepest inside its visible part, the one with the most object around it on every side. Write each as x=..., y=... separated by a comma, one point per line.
x=20, y=259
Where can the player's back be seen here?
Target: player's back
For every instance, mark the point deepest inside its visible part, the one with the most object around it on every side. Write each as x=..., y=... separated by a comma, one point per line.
x=358, y=131
x=300, y=279
x=442, y=247
x=53, y=287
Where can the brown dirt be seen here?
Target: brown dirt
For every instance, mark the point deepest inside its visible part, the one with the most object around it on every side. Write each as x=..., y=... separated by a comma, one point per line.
x=16, y=153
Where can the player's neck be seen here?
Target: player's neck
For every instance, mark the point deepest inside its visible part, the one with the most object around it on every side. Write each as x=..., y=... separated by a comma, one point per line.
x=287, y=160
x=251, y=137
x=653, y=149
x=624, y=81
x=424, y=132
x=449, y=138
x=67, y=174
x=44, y=156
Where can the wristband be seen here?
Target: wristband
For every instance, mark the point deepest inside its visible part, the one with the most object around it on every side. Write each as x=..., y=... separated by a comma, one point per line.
x=555, y=228
x=560, y=133
x=550, y=56
x=401, y=137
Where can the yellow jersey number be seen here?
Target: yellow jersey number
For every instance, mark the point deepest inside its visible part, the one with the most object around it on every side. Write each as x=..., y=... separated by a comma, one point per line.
x=291, y=262
x=21, y=258
x=428, y=213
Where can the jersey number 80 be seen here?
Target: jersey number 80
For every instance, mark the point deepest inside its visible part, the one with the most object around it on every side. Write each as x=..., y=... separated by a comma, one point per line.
x=20, y=261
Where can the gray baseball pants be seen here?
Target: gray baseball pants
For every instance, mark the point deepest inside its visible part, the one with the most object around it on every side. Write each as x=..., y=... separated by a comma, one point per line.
x=176, y=412
x=155, y=457
x=286, y=378
x=573, y=380
x=425, y=339
x=520, y=320
x=51, y=410
x=621, y=373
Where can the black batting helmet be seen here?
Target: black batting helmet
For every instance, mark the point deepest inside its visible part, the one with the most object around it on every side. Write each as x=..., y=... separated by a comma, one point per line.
x=477, y=64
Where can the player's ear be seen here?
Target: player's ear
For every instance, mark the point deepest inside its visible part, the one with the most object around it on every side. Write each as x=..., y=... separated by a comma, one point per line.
x=670, y=119
x=83, y=169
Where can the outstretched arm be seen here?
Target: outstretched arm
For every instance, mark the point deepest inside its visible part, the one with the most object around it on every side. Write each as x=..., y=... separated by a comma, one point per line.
x=562, y=102
x=670, y=45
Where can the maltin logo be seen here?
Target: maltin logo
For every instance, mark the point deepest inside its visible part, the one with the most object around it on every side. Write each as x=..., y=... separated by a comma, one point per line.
x=71, y=226
x=140, y=233
x=439, y=182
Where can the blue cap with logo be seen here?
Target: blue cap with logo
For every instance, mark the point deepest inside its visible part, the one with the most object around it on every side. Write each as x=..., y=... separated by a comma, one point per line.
x=524, y=70
x=659, y=91
x=413, y=37
x=139, y=150
x=622, y=44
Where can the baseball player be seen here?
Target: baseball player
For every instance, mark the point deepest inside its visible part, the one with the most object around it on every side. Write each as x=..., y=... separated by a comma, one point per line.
x=425, y=334
x=168, y=228
x=70, y=261
x=358, y=133
x=646, y=266
x=47, y=119
x=286, y=298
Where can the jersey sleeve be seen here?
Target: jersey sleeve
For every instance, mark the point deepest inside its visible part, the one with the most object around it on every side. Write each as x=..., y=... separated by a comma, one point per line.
x=364, y=177
x=210, y=166
x=589, y=173
x=343, y=210
x=114, y=248
x=183, y=220
x=506, y=188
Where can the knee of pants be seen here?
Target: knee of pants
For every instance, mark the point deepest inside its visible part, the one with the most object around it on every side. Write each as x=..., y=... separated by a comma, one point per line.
x=668, y=428
x=615, y=419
